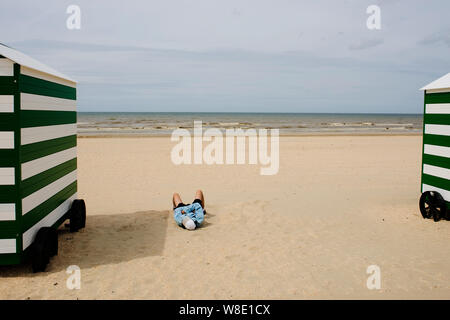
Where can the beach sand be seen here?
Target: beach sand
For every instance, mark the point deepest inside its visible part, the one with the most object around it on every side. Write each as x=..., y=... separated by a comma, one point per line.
x=337, y=205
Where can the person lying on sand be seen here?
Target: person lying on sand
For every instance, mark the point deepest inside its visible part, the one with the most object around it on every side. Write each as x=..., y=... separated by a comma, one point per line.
x=189, y=216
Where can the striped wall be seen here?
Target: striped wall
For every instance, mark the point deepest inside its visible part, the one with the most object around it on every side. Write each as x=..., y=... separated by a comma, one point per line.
x=48, y=150
x=38, y=142
x=8, y=159
x=436, y=144
x=47, y=77
x=48, y=220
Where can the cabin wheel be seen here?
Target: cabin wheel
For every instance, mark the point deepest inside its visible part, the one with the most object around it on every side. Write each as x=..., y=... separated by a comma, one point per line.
x=77, y=215
x=432, y=205
x=447, y=215
x=45, y=245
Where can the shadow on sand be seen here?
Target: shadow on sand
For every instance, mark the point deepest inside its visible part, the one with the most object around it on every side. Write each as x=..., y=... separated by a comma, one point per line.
x=107, y=239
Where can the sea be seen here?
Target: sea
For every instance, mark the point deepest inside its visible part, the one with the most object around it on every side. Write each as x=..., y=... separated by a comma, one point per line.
x=164, y=123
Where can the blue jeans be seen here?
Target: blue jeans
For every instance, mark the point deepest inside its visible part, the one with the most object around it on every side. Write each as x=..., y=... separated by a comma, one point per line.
x=193, y=211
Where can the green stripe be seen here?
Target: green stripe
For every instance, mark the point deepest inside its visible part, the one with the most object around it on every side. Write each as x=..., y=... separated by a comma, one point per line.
x=436, y=182
x=8, y=158
x=7, y=121
x=42, y=87
x=9, y=258
x=436, y=161
x=7, y=85
x=8, y=194
x=8, y=229
x=437, y=97
x=35, y=118
x=43, y=179
x=437, y=140
x=44, y=148
x=41, y=211
x=437, y=119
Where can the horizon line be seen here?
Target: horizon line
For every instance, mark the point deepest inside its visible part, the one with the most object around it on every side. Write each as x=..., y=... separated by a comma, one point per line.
x=250, y=112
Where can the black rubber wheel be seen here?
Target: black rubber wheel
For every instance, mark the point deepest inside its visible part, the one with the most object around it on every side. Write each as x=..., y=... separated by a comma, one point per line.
x=77, y=215
x=45, y=245
x=432, y=205
x=447, y=215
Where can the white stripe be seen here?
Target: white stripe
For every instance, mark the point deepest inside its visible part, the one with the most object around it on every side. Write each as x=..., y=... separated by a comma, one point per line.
x=37, y=134
x=444, y=193
x=36, y=166
x=46, y=76
x=6, y=67
x=437, y=90
x=6, y=139
x=6, y=103
x=49, y=220
x=7, y=176
x=436, y=171
x=33, y=200
x=436, y=150
x=437, y=108
x=36, y=102
x=7, y=245
x=440, y=129
x=7, y=211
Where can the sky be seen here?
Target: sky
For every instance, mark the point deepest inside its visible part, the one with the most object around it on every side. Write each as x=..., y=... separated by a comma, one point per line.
x=238, y=56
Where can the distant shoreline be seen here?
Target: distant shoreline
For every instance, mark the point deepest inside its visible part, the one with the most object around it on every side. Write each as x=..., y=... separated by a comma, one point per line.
x=290, y=135
x=252, y=113
x=163, y=124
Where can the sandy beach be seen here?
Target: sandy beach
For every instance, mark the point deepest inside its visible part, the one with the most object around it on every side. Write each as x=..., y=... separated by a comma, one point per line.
x=337, y=205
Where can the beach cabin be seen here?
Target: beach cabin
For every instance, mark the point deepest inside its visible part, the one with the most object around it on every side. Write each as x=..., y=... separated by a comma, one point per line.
x=38, y=159
x=435, y=199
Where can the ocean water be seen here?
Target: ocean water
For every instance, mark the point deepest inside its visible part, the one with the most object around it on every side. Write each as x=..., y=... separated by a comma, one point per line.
x=163, y=123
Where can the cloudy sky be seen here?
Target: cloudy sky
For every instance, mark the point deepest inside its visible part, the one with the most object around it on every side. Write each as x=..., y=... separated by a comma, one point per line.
x=238, y=56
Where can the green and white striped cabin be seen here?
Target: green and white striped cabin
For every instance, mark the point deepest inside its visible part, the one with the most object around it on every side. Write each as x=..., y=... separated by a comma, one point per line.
x=38, y=158
x=436, y=138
